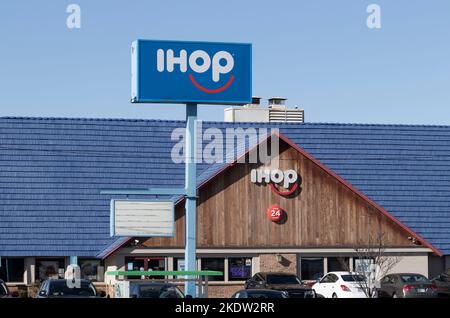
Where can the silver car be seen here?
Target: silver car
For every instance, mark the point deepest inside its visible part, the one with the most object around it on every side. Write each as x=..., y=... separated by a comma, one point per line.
x=407, y=285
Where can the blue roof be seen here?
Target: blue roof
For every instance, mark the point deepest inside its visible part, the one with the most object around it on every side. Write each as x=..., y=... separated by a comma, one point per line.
x=52, y=169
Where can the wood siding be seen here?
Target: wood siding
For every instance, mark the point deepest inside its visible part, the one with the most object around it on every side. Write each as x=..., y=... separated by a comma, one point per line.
x=232, y=212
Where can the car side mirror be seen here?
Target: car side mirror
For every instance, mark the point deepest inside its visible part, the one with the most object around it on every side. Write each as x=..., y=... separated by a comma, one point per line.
x=42, y=293
x=102, y=293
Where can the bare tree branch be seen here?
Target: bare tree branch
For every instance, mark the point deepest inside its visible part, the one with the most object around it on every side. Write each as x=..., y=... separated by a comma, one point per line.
x=374, y=263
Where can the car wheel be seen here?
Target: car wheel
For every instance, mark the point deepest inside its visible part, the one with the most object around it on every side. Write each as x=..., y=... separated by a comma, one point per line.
x=334, y=295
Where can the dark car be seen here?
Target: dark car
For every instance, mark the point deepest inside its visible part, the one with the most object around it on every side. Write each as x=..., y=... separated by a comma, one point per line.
x=154, y=290
x=67, y=288
x=407, y=285
x=442, y=283
x=260, y=294
x=289, y=283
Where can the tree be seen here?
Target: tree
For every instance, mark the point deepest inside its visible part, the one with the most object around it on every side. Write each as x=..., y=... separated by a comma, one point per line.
x=371, y=262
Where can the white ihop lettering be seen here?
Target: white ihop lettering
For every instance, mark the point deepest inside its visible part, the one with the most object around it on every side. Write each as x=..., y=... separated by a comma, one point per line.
x=286, y=177
x=168, y=60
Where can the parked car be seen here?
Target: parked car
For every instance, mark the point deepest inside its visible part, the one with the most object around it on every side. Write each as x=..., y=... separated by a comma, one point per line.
x=289, y=283
x=4, y=291
x=407, y=285
x=145, y=289
x=442, y=283
x=62, y=288
x=260, y=293
x=341, y=285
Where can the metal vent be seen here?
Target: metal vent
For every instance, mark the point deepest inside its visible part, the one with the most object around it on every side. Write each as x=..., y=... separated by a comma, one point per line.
x=286, y=115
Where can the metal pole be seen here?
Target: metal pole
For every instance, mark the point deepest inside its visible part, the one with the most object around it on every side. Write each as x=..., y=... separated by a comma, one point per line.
x=191, y=195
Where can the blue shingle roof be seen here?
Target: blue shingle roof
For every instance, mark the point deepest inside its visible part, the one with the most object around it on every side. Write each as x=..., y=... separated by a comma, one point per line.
x=51, y=171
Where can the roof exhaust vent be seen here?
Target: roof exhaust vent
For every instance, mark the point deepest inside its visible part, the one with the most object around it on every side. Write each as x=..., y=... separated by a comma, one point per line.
x=256, y=102
x=277, y=103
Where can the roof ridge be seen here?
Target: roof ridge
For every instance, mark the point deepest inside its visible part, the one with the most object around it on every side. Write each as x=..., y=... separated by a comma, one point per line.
x=89, y=119
x=100, y=119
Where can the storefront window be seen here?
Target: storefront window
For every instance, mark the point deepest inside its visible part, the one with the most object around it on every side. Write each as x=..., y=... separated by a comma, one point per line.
x=49, y=268
x=12, y=269
x=145, y=264
x=312, y=268
x=336, y=264
x=363, y=265
x=91, y=269
x=239, y=268
x=178, y=264
x=214, y=264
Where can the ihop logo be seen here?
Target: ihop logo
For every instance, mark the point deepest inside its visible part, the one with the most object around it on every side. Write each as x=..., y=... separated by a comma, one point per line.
x=198, y=62
x=191, y=72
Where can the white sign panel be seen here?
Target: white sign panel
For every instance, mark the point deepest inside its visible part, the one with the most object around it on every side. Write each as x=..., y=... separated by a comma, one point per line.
x=144, y=218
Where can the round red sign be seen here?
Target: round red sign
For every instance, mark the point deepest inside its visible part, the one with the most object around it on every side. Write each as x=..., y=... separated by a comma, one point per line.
x=275, y=213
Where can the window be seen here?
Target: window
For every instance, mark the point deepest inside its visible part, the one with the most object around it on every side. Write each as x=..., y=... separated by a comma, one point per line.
x=337, y=264
x=60, y=288
x=145, y=264
x=214, y=264
x=91, y=269
x=12, y=270
x=386, y=280
x=330, y=278
x=363, y=265
x=49, y=268
x=312, y=268
x=353, y=278
x=413, y=278
x=239, y=268
x=178, y=264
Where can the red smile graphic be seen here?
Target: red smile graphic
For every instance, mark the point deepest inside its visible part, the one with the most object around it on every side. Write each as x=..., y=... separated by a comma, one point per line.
x=283, y=193
x=211, y=91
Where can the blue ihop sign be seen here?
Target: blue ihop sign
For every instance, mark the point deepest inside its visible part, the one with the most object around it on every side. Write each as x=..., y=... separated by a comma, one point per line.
x=191, y=72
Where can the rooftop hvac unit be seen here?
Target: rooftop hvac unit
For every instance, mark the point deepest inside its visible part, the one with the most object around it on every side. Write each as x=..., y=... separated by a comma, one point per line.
x=286, y=115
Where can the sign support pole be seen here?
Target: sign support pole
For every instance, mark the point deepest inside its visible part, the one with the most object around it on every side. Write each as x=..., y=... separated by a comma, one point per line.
x=191, y=195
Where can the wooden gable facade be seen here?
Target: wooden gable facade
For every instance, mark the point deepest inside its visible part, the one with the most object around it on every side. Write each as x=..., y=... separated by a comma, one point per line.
x=323, y=213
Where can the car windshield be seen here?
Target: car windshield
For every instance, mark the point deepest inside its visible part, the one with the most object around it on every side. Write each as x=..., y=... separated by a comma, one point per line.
x=282, y=279
x=353, y=278
x=257, y=294
x=63, y=289
x=159, y=291
x=413, y=278
x=3, y=291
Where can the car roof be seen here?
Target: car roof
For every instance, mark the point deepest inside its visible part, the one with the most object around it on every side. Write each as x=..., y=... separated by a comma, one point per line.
x=259, y=290
x=342, y=273
x=399, y=274
x=53, y=280
x=140, y=282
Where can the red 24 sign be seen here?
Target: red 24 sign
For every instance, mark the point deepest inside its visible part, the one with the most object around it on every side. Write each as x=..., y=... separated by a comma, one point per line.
x=275, y=213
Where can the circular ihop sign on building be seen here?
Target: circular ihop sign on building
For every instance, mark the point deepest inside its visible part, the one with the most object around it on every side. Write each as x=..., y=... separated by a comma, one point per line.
x=275, y=213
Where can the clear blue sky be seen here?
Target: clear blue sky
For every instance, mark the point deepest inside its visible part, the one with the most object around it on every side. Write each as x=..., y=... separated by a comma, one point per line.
x=317, y=53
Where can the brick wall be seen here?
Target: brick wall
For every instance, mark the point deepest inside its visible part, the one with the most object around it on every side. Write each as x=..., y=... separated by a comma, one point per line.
x=223, y=291
x=217, y=290
x=269, y=263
